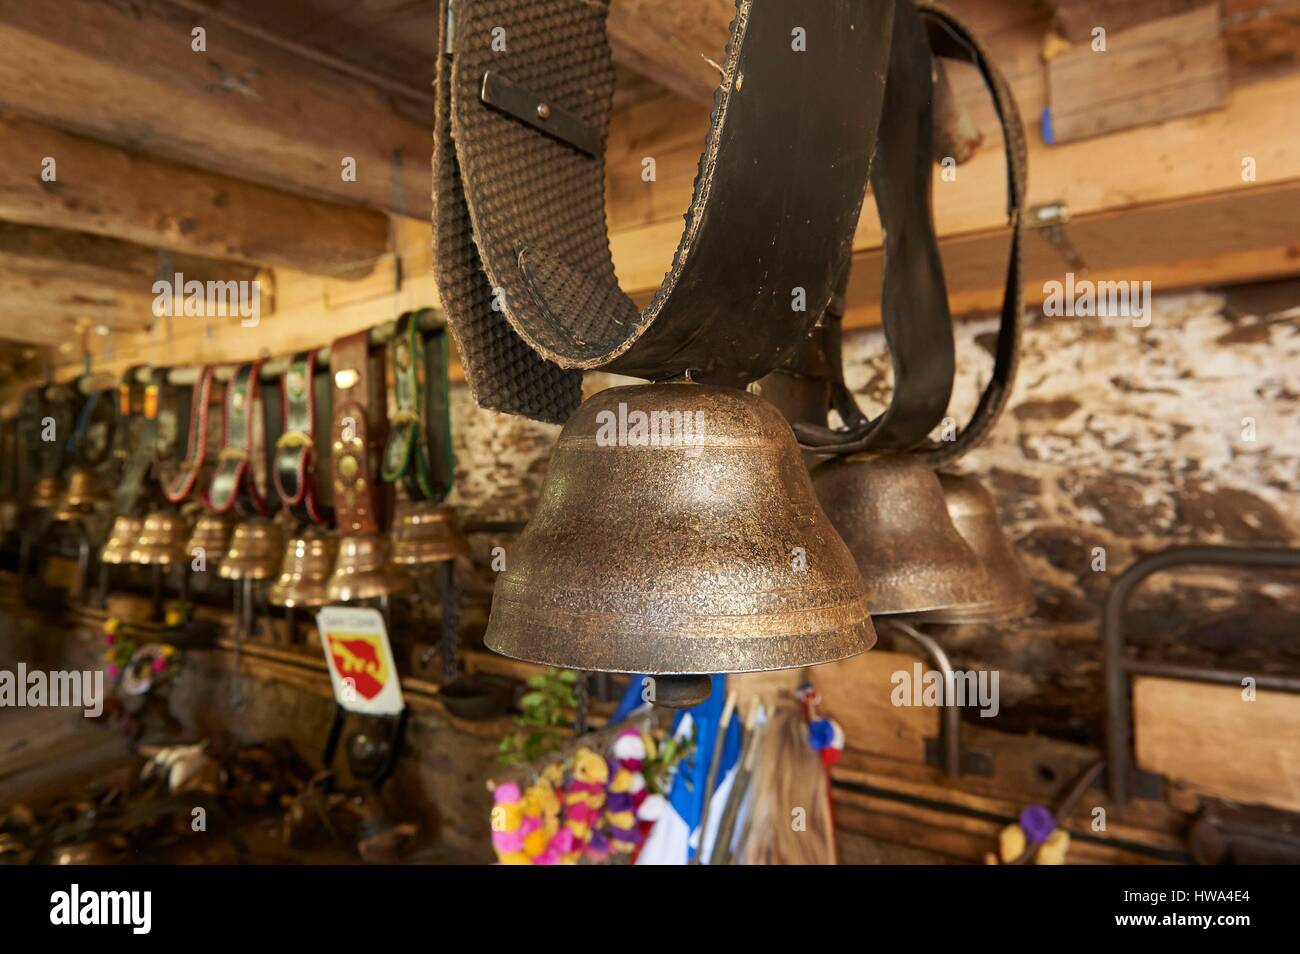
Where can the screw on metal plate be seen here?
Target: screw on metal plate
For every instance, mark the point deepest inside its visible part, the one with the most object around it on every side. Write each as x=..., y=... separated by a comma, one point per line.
x=1051, y=218
x=526, y=106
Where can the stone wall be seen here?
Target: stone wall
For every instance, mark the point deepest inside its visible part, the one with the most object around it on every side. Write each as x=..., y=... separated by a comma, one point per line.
x=1119, y=441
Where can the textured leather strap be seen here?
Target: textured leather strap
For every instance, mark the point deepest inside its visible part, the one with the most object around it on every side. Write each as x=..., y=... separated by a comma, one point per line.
x=763, y=237
x=295, y=449
x=418, y=451
x=242, y=455
x=358, y=424
x=181, y=485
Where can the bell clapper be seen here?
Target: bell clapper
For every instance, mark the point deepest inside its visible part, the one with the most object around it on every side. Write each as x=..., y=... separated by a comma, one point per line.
x=682, y=691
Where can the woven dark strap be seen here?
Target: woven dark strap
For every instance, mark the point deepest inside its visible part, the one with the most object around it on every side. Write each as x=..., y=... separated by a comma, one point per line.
x=295, y=449
x=235, y=481
x=763, y=237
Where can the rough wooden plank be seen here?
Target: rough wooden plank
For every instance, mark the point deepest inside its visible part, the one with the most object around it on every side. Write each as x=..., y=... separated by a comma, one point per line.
x=110, y=191
x=1213, y=740
x=1076, y=19
x=45, y=310
x=1243, y=235
x=674, y=44
x=1175, y=66
x=856, y=693
x=106, y=262
x=128, y=73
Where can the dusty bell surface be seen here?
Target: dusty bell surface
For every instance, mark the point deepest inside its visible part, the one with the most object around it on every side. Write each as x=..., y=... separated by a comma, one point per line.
x=211, y=535
x=678, y=533
x=363, y=571
x=975, y=516
x=890, y=510
x=255, y=550
x=425, y=532
x=122, y=537
x=161, y=541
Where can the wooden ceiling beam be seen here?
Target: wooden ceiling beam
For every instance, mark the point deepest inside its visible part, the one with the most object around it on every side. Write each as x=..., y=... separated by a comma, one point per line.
x=109, y=191
x=107, y=262
x=49, y=310
x=242, y=105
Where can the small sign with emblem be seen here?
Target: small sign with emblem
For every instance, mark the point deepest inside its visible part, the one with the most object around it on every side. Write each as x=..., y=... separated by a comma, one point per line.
x=360, y=660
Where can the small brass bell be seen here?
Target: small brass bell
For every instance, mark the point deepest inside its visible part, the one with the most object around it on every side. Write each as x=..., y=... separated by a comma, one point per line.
x=254, y=552
x=425, y=532
x=122, y=539
x=975, y=516
x=890, y=510
x=81, y=497
x=305, y=571
x=161, y=541
x=678, y=535
x=48, y=493
x=362, y=570
x=212, y=536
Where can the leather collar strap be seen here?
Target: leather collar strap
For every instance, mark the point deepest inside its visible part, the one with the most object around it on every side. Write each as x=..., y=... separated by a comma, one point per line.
x=914, y=306
x=418, y=429
x=917, y=322
x=31, y=413
x=358, y=421
x=295, y=449
x=950, y=39
x=765, y=235
x=242, y=457
x=92, y=435
x=56, y=406
x=134, y=440
x=182, y=483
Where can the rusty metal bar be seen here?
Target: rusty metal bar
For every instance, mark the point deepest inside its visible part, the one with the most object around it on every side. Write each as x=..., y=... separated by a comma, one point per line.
x=950, y=715
x=1117, y=669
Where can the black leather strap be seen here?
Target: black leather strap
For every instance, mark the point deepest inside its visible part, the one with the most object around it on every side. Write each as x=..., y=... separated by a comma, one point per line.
x=915, y=313
x=57, y=405
x=295, y=449
x=135, y=439
x=914, y=305
x=764, y=234
x=236, y=479
x=950, y=38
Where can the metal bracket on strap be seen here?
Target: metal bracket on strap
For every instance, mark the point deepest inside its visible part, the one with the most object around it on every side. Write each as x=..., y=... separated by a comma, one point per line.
x=527, y=107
